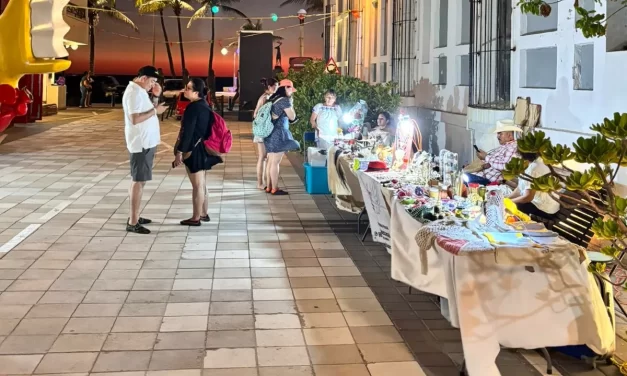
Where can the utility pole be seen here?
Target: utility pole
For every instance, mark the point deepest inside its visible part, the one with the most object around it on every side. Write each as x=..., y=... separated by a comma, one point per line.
x=154, y=41
x=301, y=18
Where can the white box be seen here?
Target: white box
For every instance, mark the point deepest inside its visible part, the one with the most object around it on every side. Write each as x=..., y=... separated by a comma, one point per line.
x=315, y=158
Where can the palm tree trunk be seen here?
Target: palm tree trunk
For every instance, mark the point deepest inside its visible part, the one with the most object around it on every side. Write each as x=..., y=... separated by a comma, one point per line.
x=167, y=45
x=178, y=22
x=92, y=41
x=211, y=79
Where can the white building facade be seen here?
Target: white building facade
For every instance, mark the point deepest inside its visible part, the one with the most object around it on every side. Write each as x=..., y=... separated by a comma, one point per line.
x=461, y=64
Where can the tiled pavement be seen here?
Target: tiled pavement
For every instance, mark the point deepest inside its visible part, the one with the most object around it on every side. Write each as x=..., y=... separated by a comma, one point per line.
x=271, y=287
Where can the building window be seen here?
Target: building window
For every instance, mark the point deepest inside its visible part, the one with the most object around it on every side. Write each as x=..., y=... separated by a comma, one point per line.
x=384, y=72
x=384, y=27
x=585, y=4
x=426, y=32
x=403, y=51
x=463, y=69
x=532, y=24
x=464, y=22
x=583, y=70
x=443, y=24
x=615, y=36
x=538, y=68
x=440, y=70
x=490, y=54
x=373, y=72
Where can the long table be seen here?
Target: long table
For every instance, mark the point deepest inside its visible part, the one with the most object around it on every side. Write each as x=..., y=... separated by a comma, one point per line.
x=549, y=301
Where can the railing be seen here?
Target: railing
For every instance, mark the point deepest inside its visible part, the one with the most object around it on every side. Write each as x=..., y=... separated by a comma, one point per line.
x=403, y=46
x=490, y=54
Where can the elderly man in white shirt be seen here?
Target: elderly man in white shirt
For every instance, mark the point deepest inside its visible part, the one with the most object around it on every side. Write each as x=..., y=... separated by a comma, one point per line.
x=141, y=128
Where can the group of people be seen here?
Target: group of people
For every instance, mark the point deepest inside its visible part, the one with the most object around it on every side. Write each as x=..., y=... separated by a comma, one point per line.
x=270, y=150
x=524, y=196
x=142, y=132
x=86, y=89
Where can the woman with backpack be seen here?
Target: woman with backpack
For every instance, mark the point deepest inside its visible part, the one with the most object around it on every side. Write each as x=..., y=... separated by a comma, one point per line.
x=271, y=86
x=280, y=139
x=190, y=150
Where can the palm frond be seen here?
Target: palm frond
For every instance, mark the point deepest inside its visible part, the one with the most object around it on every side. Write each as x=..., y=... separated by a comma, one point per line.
x=185, y=6
x=117, y=15
x=231, y=10
x=200, y=13
x=293, y=2
x=154, y=6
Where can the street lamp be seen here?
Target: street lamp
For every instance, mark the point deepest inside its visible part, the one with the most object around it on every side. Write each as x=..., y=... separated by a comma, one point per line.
x=224, y=51
x=301, y=18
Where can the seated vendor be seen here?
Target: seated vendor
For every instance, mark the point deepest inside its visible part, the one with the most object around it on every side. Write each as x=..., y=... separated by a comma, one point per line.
x=495, y=160
x=385, y=130
x=526, y=199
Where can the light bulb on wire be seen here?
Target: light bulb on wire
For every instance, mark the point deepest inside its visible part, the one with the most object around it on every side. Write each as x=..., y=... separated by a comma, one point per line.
x=224, y=51
x=274, y=17
x=215, y=9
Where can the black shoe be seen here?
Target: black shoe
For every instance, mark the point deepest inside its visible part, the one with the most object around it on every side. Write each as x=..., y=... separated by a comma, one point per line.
x=280, y=192
x=138, y=229
x=190, y=222
x=144, y=221
x=205, y=218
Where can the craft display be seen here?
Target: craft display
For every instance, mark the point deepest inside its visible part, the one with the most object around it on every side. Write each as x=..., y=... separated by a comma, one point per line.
x=408, y=140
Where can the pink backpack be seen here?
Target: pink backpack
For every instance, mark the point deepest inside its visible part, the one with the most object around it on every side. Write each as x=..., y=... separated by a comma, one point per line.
x=221, y=139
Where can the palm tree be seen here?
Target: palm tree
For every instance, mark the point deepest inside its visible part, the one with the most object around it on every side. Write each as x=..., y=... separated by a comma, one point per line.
x=138, y=5
x=258, y=26
x=203, y=11
x=177, y=6
x=309, y=5
x=107, y=7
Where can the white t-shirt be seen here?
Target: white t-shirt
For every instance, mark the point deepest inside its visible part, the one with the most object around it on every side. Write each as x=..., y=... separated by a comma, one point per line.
x=145, y=135
x=541, y=200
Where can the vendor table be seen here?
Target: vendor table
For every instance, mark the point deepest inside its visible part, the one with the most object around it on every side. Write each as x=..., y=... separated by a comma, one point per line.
x=551, y=302
x=532, y=301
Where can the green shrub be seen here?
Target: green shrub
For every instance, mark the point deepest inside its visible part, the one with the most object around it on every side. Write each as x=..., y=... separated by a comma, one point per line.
x=312, y=81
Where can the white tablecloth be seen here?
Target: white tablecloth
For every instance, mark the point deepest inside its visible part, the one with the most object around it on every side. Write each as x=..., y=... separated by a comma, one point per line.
x=495, y=304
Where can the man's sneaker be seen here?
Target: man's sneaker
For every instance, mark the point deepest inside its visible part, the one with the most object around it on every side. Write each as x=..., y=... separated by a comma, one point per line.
x=138, y=229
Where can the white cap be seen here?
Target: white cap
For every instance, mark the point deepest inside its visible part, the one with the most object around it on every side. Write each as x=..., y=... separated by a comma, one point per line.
x=506, y=125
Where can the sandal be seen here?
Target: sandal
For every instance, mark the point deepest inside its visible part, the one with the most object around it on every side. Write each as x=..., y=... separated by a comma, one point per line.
x=190, y=222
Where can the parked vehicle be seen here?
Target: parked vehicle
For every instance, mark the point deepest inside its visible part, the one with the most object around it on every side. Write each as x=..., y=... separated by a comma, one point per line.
x=109, y=87
x=182, y=103
x=172, y=87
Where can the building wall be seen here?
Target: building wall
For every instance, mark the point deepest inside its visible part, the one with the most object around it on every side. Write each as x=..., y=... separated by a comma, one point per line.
x=76, y=18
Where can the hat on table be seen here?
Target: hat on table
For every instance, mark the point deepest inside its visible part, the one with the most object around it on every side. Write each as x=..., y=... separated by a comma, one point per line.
x=375, y=166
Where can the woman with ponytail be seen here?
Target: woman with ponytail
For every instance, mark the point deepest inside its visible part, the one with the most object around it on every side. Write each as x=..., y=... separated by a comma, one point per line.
x=271, y=85
x=190, y=150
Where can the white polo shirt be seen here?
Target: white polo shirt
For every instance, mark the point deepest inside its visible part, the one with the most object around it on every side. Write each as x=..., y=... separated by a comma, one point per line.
x=145, y=135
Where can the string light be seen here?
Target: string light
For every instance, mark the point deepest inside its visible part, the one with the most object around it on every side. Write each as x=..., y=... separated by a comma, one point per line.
x=215, y=9
x=224, y=51
x=274, y=17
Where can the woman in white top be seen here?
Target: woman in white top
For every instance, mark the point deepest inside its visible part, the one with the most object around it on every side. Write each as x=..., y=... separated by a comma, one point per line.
x=325, y=119
x=528, y=200
x=271, y=85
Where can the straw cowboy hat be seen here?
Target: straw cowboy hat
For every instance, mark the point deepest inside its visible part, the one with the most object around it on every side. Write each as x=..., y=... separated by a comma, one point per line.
x=506, y=125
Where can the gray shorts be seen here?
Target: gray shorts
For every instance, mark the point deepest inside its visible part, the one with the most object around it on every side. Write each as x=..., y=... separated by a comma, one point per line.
x=141, y=164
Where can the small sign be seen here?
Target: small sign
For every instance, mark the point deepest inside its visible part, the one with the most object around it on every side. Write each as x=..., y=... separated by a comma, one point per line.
x=77, y=13
x=298, y=63
x=331, y=67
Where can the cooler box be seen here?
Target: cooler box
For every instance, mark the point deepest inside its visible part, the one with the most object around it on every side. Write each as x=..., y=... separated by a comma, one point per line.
x=315, y=158
x=316, y=180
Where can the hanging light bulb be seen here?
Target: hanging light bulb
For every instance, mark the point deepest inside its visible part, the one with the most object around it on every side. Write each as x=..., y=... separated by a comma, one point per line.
x=224, y=51
x=215, y=9
x=274, y=17
x=74, y=46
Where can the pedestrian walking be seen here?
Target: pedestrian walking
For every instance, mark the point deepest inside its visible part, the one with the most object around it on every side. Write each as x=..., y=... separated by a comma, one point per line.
x=141, y=128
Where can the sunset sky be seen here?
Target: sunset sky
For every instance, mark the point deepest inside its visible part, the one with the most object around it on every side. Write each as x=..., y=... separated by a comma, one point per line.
x=120, y=55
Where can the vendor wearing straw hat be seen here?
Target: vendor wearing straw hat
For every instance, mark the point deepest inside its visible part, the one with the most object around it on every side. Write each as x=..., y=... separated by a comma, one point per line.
x=495, y=160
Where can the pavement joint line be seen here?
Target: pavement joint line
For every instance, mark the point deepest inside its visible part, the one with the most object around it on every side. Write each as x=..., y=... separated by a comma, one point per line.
x=56, y=210
x=20, y=237
x=103, y=175
x=81, y=191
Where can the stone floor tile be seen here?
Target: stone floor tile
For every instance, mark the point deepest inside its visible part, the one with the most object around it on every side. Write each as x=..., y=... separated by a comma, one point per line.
x=78, y=342
x=129, y=341
x=177, y=359
x=19, y=364
x=328, y=336
x=14, y=311
x=183, y=324
x=231, y=322
x=282, y=356
x=137, y=324
x=67, y=362
x=396, y=368
x=36, y=344
x=318, y=306
x=230, y=372
x=270, y=306
x=375, y=334
x=323, y=320
x=230, y=358
x=46, y=326
x=341, y=370
x=187, y=309
x=230, y=338
x=279, y=338
x=286, y=371
x=385, y=352
x=335, y=354
x=122, y=361
x=97, y=310
x=367, y=318
x=277, y=321
x=180, y=341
